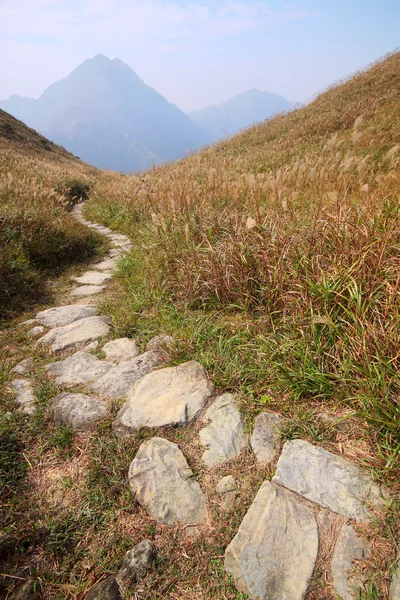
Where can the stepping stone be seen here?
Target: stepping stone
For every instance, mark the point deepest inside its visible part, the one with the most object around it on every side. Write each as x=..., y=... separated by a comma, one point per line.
x=79, y=368
x=106, y=265
x=394, y=593
x=272, y=556
x=23, y=391
x=77, y=410
x=266, y=437
x=137, y=563
x=23, y=367
x=64, y=315
x=224, y=437
x=36, y=331
x=121, y=349
x=106, y=589
x=327, y=479
x=349, y=548
x=77, y=333
x=121, y=378
x=160, y=342
x=92, y=278
x=171, y=396
x=227, y=488
x=162, y=482
x=88, y=290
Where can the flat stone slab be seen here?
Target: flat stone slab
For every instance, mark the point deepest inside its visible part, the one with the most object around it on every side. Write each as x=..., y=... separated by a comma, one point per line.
x=77, y=333
x=170, y=396
x=224, y=436
x=78, y=411
x=162, y=482
x=394, y=593
x=121, y=378
x=64, y=315
x=121, y=349
x=88, y=290
x=23, y=367
x=327, y=479
x=265, y=437
x=106, y=265
x=79, y=368
x=272, y=556
x=92, y=278
x=24, y=396
x=349, y=549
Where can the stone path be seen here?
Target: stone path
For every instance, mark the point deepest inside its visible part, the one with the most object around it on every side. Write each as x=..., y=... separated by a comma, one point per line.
x=275, y=550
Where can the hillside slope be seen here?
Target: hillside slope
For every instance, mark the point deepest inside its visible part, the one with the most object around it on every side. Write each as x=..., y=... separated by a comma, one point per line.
x=239, y=112
x=104, y=113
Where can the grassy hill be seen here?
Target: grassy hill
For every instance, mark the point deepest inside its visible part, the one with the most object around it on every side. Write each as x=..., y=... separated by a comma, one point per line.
x=275, y=257
x=37, y=234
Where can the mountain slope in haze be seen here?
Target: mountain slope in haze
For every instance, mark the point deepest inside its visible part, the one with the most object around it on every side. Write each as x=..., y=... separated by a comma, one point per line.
x=104, y=113
x=239, y=112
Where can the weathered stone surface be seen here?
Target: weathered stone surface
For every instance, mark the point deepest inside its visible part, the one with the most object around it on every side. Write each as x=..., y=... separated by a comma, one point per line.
x=121, y=349
x=77, y=333
x=79, y=368
x=163, y=484
x=349, y=549
x=106, y=265
x=227, y=488
x=92, y=278
x=36, y=331
x=272, y=556
x=28, y=323
x=91, y=346
x=23, y=367
x=137, y=563
x=107, y=589
x=24, y=396
x=265, y=437
x=64, y=315
x=171, y=396
x=394, y=593
x=88, y=290
x=160, y=342
x=77, y=410
x=121, y=378
x=224, y=436
x=327, y=479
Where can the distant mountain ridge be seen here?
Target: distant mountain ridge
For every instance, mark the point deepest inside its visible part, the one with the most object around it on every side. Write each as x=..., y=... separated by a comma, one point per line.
x=239, y=112
x=105, y=114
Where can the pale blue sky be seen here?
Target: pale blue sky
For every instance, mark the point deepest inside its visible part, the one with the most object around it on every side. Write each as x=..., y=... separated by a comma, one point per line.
x=197, y=52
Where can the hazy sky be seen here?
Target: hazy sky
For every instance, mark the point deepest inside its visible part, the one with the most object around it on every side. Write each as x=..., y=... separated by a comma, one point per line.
x=197, y=52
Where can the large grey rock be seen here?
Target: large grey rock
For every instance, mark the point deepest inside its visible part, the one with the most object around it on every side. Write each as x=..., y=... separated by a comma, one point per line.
x=106, y=265
x=24, y=395
x=265, y=437
x=171, y=396
x=106, y=589
x=394, y=593
x=88, y=290
x=349, y=548
x=92, y=278
x=121, y=349
x=23, y=367
x=79, y=368
x=163, y=484
x=327, y=479
x=272, y=556
x=36, y=331
x=224, y=436
x=137, y=563
x=77, y=333
x=77, y=410
x=64, y=315
x=121, y=378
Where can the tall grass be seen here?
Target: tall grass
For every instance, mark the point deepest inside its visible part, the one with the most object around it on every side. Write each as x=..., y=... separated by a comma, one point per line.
x=295, y=223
